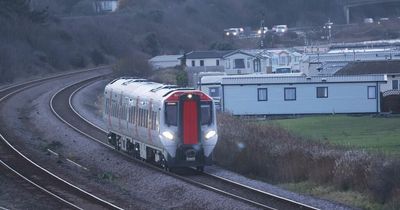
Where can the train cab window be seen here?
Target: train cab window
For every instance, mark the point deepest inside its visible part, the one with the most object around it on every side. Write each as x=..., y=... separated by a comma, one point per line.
x=171, y=114
x=206, y=114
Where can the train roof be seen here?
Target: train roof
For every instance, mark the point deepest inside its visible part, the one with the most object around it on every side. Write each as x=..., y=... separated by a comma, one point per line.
x=142, y=87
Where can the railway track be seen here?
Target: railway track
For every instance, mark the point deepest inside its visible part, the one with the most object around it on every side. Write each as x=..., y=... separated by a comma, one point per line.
x=238, y=191
x=14, y=162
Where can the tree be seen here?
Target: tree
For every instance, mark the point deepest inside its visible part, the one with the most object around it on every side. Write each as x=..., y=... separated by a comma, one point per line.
x=222, y=46
x=135, y=65
x=182, y=79
x=151, y=44
x=20, y=9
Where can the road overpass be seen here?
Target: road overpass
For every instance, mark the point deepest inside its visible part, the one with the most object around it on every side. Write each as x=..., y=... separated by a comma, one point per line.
x=348, y=4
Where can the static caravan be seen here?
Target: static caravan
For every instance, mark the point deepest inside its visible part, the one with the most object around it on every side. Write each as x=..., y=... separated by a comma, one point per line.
x=299, y=94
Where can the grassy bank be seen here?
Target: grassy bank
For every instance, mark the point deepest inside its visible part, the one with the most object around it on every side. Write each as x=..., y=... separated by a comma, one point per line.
x=270, y=152
x=378, y=134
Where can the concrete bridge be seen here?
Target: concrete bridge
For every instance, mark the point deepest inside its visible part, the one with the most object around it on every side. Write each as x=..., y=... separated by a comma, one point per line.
x=348, y=4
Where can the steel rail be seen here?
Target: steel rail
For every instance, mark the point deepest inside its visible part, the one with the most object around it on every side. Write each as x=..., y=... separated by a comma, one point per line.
x=69, y=92
x=11, y=155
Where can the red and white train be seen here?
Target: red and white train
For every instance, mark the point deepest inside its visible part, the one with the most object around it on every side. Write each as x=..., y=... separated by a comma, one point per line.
x=163, y=124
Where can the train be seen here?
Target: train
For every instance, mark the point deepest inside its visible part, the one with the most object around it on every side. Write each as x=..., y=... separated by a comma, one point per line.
x=162, y=124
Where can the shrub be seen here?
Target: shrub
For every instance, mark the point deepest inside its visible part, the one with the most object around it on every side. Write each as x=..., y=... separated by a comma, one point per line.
x=78, y=61
x=351, y=170
x=97, y=57
x=384, y=181
x=269, y=151
x=182, y=79
x=135, y=65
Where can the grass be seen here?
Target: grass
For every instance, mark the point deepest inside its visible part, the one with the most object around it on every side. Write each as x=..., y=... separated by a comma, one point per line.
x=355, y=199
x=376, y=134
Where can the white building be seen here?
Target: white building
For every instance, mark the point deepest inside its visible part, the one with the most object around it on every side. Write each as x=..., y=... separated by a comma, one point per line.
x=204, y=59
x=283, y=94
x=284, y=61
x=242, y=62
x=165, y=61
x=263, y=61
x=105, y=5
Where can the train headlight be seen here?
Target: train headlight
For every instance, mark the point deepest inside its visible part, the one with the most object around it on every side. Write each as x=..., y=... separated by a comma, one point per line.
x=168, y=135
x=210, y=134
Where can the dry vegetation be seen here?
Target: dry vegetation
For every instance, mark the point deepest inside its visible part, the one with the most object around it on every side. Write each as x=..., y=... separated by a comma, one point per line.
x=270, y=152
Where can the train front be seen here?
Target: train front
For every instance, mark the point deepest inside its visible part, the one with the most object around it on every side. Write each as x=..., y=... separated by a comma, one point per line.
x=188, y=128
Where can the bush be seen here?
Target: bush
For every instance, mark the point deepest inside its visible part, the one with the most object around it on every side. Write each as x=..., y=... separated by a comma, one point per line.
x=351, y=170
x=135, y=65
x=384, y=181
x=269, y=151
x=97, y=57
x=78, y=61
x=164, y=76
x=182, y=79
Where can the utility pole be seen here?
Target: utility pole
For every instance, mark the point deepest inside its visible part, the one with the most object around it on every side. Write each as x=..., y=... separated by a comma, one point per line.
x=262, y=33
x=328, y=29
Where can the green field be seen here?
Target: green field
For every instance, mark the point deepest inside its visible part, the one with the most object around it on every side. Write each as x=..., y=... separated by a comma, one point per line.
x=378, y=134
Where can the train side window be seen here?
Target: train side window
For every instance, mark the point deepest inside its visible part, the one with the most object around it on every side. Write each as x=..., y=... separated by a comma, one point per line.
x=171, y=114
x=107, y=109
x=146, y=118
x=135, y=120
x=206, y=114
x=113, y=107
x=151, y=120
x=157, y=120
x=154, y=120
x=140, y=117
x=123, y=112
x=120, y=112
x=130, y=114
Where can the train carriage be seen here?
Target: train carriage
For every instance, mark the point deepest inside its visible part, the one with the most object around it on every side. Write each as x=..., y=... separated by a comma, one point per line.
x=163, y=124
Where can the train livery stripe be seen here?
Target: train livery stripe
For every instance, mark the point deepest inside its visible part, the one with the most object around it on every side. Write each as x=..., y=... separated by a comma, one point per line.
x=190, y=122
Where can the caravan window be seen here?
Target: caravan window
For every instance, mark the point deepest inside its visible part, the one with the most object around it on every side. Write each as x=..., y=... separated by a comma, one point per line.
x=239, y=64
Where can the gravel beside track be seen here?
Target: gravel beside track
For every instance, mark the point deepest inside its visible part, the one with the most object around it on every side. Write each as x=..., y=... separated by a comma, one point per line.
x=16, y=193
x=28, y=170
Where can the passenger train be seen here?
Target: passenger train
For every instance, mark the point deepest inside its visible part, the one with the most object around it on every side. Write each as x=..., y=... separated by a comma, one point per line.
x=168, y=126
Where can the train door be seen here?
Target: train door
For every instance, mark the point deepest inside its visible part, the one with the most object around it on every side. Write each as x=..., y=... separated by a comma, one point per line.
x=190, y=119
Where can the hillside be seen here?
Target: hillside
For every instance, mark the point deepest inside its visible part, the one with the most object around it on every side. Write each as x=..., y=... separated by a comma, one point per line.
x=69, y=35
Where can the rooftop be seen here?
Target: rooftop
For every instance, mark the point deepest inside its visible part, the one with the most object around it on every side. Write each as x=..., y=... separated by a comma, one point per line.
x=206, y=54
x=298, y=79
x=165, y=58
x=371, y=67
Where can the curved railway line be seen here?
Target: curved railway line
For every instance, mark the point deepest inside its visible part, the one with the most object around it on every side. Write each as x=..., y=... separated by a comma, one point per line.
x=18, y=166
x=238, y=191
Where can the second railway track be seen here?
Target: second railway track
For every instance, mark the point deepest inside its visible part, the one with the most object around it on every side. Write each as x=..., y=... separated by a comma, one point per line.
x=211, y=182
x=15, y=162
